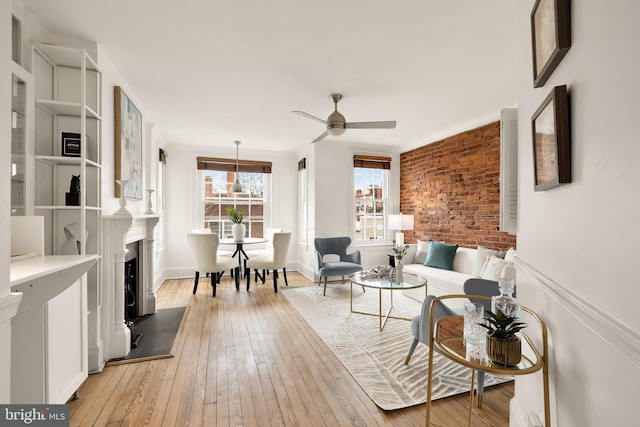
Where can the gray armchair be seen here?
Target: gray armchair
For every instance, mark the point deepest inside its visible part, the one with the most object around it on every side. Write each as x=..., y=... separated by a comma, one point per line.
x=347, y=263
x=420, y=323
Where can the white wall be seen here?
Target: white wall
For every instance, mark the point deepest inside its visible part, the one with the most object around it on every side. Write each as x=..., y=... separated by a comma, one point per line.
x=330, y=166
x=111, y=77
x=577, y=243
x=182, y=200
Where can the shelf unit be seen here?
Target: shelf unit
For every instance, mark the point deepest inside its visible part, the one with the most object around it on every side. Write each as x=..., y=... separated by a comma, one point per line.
x=67, y=99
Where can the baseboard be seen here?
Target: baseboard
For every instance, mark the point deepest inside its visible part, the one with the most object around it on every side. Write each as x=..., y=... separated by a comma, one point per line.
x=615, y=334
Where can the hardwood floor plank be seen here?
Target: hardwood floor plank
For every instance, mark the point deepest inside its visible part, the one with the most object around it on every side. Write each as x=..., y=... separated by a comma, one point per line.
x=248, y=358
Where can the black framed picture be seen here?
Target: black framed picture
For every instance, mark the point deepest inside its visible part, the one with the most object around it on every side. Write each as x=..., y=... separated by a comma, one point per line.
x=552, y=141
x=71, y=144
x=550, y=37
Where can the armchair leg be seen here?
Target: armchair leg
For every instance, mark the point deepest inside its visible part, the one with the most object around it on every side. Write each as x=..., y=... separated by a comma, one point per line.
x=275, y=281
x=414, y=344
x=247, y=273
x=324, y=292
x=284, y=273
x=195, y=287
x=214, y=282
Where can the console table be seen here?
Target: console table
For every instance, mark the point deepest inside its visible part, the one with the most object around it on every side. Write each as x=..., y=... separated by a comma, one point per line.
x=447, y=337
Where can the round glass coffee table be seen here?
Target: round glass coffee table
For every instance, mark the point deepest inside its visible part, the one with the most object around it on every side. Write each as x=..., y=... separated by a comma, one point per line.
x=410, y=281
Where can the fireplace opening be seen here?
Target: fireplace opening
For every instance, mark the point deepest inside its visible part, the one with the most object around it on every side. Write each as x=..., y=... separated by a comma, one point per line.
x=132, y=290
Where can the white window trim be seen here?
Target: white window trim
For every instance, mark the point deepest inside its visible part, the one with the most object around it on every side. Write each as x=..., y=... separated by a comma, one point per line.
x=393, y=199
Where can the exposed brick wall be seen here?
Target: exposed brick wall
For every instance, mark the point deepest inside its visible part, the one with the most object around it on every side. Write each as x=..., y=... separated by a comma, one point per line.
x=452, y=187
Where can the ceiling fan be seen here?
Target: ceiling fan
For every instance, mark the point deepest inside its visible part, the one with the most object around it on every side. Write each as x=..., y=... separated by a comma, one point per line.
x=336, y=123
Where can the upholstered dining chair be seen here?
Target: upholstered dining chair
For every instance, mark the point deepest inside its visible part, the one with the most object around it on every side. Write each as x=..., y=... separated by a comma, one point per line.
x=204, y=248
x=272, y=261
x=268, y=248
x=345, y=265
x=420, y=328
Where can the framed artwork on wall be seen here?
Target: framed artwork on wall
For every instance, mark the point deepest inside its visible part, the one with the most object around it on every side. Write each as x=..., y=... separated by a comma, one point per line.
x=550, y=37
x=552, y=141
x=128, y=145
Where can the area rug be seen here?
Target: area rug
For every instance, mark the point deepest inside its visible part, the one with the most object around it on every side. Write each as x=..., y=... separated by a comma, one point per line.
x=375, y=358
x=158, y=332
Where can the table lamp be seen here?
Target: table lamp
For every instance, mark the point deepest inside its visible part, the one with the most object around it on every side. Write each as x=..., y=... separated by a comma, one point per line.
x=400, y=222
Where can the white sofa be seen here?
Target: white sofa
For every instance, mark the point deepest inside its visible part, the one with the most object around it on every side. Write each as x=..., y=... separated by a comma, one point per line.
x=439, y=281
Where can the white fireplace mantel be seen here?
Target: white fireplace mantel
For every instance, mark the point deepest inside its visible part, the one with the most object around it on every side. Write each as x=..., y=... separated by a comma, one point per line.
x=118, y=231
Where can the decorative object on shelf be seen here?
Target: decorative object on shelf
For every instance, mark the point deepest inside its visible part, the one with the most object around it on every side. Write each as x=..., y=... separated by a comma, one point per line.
x=550, y=37
x=238, y=229
x=149, y=210
x=128, y=145
x=400, y=222
x=73, y=243
x=377, y=272
x=72, y=198
x=506, y=302
x=71, y=144
x=503, y=343
x=237, y=187
x=162, y=156
x=123, y=200
x=552, y=141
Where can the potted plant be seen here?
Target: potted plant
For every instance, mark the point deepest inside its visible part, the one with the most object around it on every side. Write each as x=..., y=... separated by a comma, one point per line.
x=503, y=343
x=238, y=229
x=399, y=252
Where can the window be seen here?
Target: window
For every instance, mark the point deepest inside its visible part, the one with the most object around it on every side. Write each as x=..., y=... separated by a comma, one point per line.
x=302, y=201
x=218, y=177
x=370, y=182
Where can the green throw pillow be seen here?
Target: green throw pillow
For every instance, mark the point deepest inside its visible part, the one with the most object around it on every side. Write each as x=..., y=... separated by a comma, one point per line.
x=440, y=255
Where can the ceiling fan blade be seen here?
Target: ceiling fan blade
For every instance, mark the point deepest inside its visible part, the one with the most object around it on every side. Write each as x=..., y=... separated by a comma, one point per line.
x=309, y=116
x=371, y=125
x=321, y=136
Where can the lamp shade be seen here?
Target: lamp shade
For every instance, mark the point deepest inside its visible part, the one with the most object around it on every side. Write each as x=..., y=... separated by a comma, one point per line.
x=401, y=222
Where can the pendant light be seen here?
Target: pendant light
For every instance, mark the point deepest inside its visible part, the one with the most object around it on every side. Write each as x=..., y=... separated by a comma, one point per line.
x=237, y=187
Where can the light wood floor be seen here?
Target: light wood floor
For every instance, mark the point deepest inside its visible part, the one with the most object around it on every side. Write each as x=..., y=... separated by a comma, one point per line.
x=249, y=359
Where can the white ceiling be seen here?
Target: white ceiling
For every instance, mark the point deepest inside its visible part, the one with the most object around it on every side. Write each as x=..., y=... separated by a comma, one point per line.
x=207, y=72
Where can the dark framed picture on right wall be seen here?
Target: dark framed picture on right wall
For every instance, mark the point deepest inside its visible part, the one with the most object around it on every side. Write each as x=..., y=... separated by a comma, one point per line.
x=552, y=141
x=550, y=37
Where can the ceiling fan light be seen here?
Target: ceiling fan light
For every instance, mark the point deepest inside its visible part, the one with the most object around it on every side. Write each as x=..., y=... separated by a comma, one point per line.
x=337, y=131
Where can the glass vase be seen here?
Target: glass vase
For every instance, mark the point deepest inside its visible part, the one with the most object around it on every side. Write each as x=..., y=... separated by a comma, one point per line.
x=506, y=302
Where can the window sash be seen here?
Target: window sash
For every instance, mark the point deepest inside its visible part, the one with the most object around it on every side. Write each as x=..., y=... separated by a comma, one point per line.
x=370, y=210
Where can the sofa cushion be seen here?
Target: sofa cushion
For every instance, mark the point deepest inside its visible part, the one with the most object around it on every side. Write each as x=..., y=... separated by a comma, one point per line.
x=481, y=259
x=493, y=268
x=440, y=255
x=439, y=281
x=510, y=255
x=421, y=252
x=465, y=260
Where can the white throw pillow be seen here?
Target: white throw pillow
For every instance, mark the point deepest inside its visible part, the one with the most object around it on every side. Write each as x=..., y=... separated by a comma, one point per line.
x=493, y=268
x=421, y=252
x=510, y=255
x=482, y=254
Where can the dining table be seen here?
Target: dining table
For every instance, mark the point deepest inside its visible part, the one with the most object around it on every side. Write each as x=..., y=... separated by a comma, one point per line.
x=240, y=249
